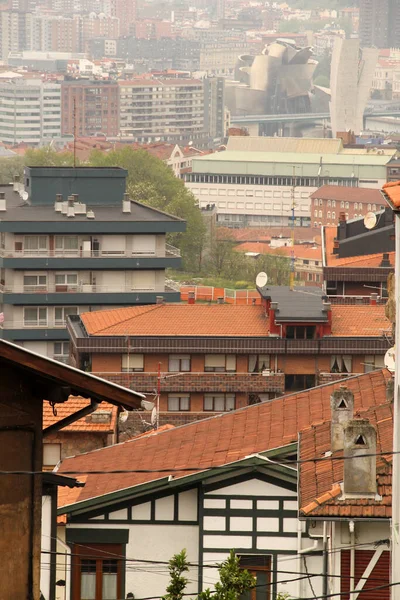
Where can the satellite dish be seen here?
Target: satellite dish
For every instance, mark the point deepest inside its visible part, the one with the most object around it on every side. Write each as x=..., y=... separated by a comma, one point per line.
x=24, y=196
x=370, y=220
x=389, y=359
x=261, y=279
x=153, y=418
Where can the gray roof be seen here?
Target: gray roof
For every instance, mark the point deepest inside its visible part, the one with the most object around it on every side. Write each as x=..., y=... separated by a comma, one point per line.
x=304, y=304
x=18, y=210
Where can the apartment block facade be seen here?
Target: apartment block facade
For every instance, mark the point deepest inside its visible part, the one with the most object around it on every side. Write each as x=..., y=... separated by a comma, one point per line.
x=71, y=242
x=89, y=107
x=379, y=23
x=30, y=111
x=207, y=359
x=168, y=110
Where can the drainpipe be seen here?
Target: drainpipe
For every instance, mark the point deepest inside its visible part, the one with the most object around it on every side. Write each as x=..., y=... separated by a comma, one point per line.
x=325, y=563
x=68, y=566
x=300, y=563
x=71, y=418
x=352, y=555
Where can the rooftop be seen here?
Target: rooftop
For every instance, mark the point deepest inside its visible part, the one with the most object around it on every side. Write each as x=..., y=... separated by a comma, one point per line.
x=300, y=304
x=286, y=144
x=358, y=320
x=84, y=425
x=218, y=440
x=391, y=192
x=320, y=489
x=352, y=194
x=355, y=262
x=302, y=251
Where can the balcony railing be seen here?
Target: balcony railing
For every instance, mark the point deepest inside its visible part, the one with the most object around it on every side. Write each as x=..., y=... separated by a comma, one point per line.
x=81, y=288
x=199, y=382
x=170, y=251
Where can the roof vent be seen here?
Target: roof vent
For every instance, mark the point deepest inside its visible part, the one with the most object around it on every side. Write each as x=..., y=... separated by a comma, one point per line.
x=16, y=183
x=90, y=214
x=160, y=300
x=126, y=204
x=359, y=475
x=70, y=207
x=220, y=300
x=385, y=260
x=58, y=203
x=3, y=201
x=64, y=208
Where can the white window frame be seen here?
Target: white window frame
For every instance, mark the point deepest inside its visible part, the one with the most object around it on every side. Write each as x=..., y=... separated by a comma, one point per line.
x=132, y=362
x=41, y=246
x=179, y=363
x=39, y=286
x=59, y=245
x=229, y=401
x=62, y=321
x=182, y=401
x=40, y=321
x=69, y=285
x=220, y=363
x=344, y=363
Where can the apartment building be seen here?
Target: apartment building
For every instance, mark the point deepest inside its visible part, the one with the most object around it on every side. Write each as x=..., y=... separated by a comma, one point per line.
x=215, y=358
x=379, y=23
x=329, y=201
x=256, y=180
x=30, y=111
x=72, y=241
x=358, y=261
x=15, y=32
x=89, y=107
x=167, y=110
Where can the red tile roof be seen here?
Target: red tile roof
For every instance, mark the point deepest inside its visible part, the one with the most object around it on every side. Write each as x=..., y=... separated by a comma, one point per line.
x=392, y=192
x=219, y=440
x=356, y=262
x=359, y=320
x=320, y=489
x=85, y=424
x=300, y=250
x=352, y=194
x=179, y=320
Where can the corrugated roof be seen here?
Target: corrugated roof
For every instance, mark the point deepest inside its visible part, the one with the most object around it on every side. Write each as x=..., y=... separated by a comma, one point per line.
x=219, y=440
x=278, y=144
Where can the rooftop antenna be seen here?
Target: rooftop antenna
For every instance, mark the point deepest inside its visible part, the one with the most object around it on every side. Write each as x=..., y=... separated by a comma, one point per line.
x=370, y=220
x=74, y=119
x=292, y=269
x=261, y=279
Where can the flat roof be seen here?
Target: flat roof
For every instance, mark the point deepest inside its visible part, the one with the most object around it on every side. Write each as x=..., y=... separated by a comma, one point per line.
x=294, y=158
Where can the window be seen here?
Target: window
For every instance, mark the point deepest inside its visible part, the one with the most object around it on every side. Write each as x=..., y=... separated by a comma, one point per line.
x=320, y=214
x=35, y=283
x=316, y=202
x=219, y=402
x=315, y=213
x=51, y=454
x=329, y=215
x=96, y=572
x=333, y=203
x=219, y=363
x=258, y=363
x=373, y=362
x=66, y=282
x=61, y=313
x=329, y=202
x=333, y=215
x=35, y=316
x=341, y=363
x=297, y=383
x=260, y=567
x=178, y=402
x=61, y=351
x=346, y=205
x=66, y=244
x=132, y=363
x=374, y=207
x=369, y=207
x=342, y=205
x=300, y=332
x=356, y=206
x=178, y=363
x=35, y=244
x=320, y=202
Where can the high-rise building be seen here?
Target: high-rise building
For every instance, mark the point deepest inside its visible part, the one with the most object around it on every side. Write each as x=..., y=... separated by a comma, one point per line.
x=90, y=107
x=125, y=11
x=30, y=111
x=379, y=23
x=15, y=32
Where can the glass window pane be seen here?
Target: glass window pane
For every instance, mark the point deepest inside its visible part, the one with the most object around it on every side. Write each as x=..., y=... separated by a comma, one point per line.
x=109, y=586
x=185, y=403
x=230, y=403
x=71, y=243
x=42, y=313
x=88, y=579
x=30, y=314
x=173, y=403
x=219, y=403
x=60, y=279
x=208, y=402
x=30, y=280
x=185, y=364
x=72, y=278
x=262, y=585
x=58, y=313
x=174, y=364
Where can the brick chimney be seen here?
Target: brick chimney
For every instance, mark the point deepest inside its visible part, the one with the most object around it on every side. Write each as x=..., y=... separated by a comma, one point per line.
x=191, y=298
x=342, y=408
x=385, y=260
x=360, y=465
x=373, y=299
x=335, y=246
x=342, y=227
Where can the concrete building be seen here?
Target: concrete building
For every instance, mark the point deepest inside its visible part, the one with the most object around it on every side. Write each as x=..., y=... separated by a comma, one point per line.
x=169, y=110
x=255, y=181
x=214, y=108
x=90, y=250
x=30, y=111
x=15, y=32
x=379, y=23
x=90, y=107
x=351, y=81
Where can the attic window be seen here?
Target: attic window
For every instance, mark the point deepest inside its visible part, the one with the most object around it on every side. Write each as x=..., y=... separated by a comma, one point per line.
x=360, y=441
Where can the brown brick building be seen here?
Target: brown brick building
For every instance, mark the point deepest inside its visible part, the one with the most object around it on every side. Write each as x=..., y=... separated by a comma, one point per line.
x=215, y=358
x=329, y=201
x=89, y=107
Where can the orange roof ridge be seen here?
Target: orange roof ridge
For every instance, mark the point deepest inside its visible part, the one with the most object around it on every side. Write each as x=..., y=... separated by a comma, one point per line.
x=142, y=309
x=326, y=497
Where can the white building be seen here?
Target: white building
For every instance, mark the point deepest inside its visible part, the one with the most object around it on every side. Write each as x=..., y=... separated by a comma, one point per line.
x=30, y=111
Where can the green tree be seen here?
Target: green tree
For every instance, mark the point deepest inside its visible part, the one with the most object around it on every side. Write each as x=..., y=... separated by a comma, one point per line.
x=234, y=581
x=48, y=157
x=9, y=167
x=177, y=585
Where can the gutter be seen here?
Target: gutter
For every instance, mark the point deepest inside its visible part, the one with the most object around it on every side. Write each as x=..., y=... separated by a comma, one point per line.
x=71, y=418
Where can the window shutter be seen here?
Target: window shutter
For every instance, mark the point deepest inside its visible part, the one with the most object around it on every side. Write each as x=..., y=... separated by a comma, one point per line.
x=215, y=360
x=132, y=361
x=231, y=362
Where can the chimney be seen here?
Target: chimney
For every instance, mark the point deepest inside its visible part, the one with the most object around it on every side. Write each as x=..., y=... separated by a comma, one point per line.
x=75, y=198
x=373, y=299
x=335, y=246
x=70, y=208
x=159, y=299
x=191, y=298
x=220, y=300
x=3, y=201
x=342, y=227
x=359, y=467
x=342, y=409
x=16, y=183
x=385, y=260
x=58, y=203
x=126, y=204
x=90, y=214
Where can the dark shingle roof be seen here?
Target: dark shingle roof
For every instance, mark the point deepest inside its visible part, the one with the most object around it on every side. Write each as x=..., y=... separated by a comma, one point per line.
x=299, y=304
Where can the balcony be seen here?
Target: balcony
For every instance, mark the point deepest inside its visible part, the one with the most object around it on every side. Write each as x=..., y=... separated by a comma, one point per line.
x=91, y=258
x=199, y=382
x=85, y=293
